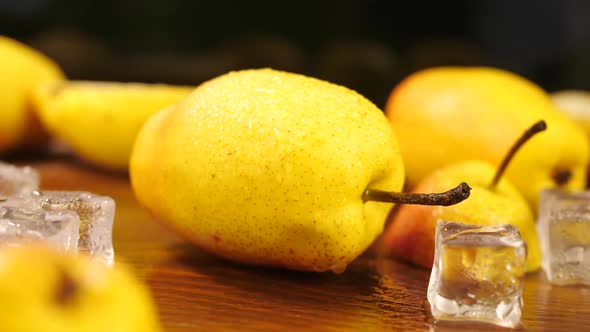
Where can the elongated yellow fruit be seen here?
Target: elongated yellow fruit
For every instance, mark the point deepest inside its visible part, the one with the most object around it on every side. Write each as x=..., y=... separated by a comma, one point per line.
x=99, y=120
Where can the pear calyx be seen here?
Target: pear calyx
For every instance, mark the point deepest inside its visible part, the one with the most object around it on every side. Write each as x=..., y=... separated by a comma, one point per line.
x=561, y=176
x=67, y=288
x=536, y=128
x=450, y=197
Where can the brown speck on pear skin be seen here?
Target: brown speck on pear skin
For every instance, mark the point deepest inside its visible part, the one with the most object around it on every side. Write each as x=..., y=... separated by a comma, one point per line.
x=67, y=288
x=561, y=176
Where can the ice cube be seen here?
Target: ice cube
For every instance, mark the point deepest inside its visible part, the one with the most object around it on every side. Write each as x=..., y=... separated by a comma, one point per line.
x=60, y=229
x=96, y=219
x=564, y=230
x=16, y=181
x=96, y=214
x=477, y=274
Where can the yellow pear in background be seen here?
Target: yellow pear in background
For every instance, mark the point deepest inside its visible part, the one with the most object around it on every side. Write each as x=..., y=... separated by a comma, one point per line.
x=21, y=70
x=41, y=290
x=269, y=167
x=493, y=201
x=448, y=114
x=100, y=120
x=575, y=104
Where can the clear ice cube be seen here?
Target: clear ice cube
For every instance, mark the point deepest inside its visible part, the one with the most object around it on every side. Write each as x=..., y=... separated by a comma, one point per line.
x=477, y=274
x=96, y=214
x=17, y=181
x=60, y=229
x=564, y=230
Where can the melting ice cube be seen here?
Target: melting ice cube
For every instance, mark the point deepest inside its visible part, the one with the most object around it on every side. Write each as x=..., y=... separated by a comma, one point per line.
x=96, y=214
x=564, y=231
x=477, y=274
x=16, y=181
x=59, y=229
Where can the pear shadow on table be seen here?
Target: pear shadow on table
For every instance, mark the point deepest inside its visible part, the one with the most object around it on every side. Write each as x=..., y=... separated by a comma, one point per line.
x=202, y=262
x=25, y=155
x=89, y=167
x=370, y=294
x=33, y=156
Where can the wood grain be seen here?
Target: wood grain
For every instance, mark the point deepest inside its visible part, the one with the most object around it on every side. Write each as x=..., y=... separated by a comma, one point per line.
x=198, y=292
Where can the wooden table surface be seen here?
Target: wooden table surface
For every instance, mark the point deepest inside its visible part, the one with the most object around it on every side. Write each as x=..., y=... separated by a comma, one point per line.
x=198, y=292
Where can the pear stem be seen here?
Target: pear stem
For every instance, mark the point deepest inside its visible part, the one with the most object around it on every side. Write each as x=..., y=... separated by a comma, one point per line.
x=450, y=197
x=536, y=128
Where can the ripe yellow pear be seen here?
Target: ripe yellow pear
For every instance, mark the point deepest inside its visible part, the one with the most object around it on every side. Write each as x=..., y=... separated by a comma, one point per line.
x=410, y=235
x=22, y=69
x=100, y=120
x=41, y=290
x=449, y=114
x=269, y=167
x=493, y=201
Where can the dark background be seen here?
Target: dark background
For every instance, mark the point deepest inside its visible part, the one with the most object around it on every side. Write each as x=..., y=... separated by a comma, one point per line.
x=367, y=45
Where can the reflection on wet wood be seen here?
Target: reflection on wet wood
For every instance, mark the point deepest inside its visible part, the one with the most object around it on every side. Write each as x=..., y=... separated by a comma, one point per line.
x=198, y=292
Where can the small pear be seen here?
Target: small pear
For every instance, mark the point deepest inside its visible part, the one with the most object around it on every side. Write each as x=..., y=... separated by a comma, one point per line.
x=493, y=201
x=43, y=290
